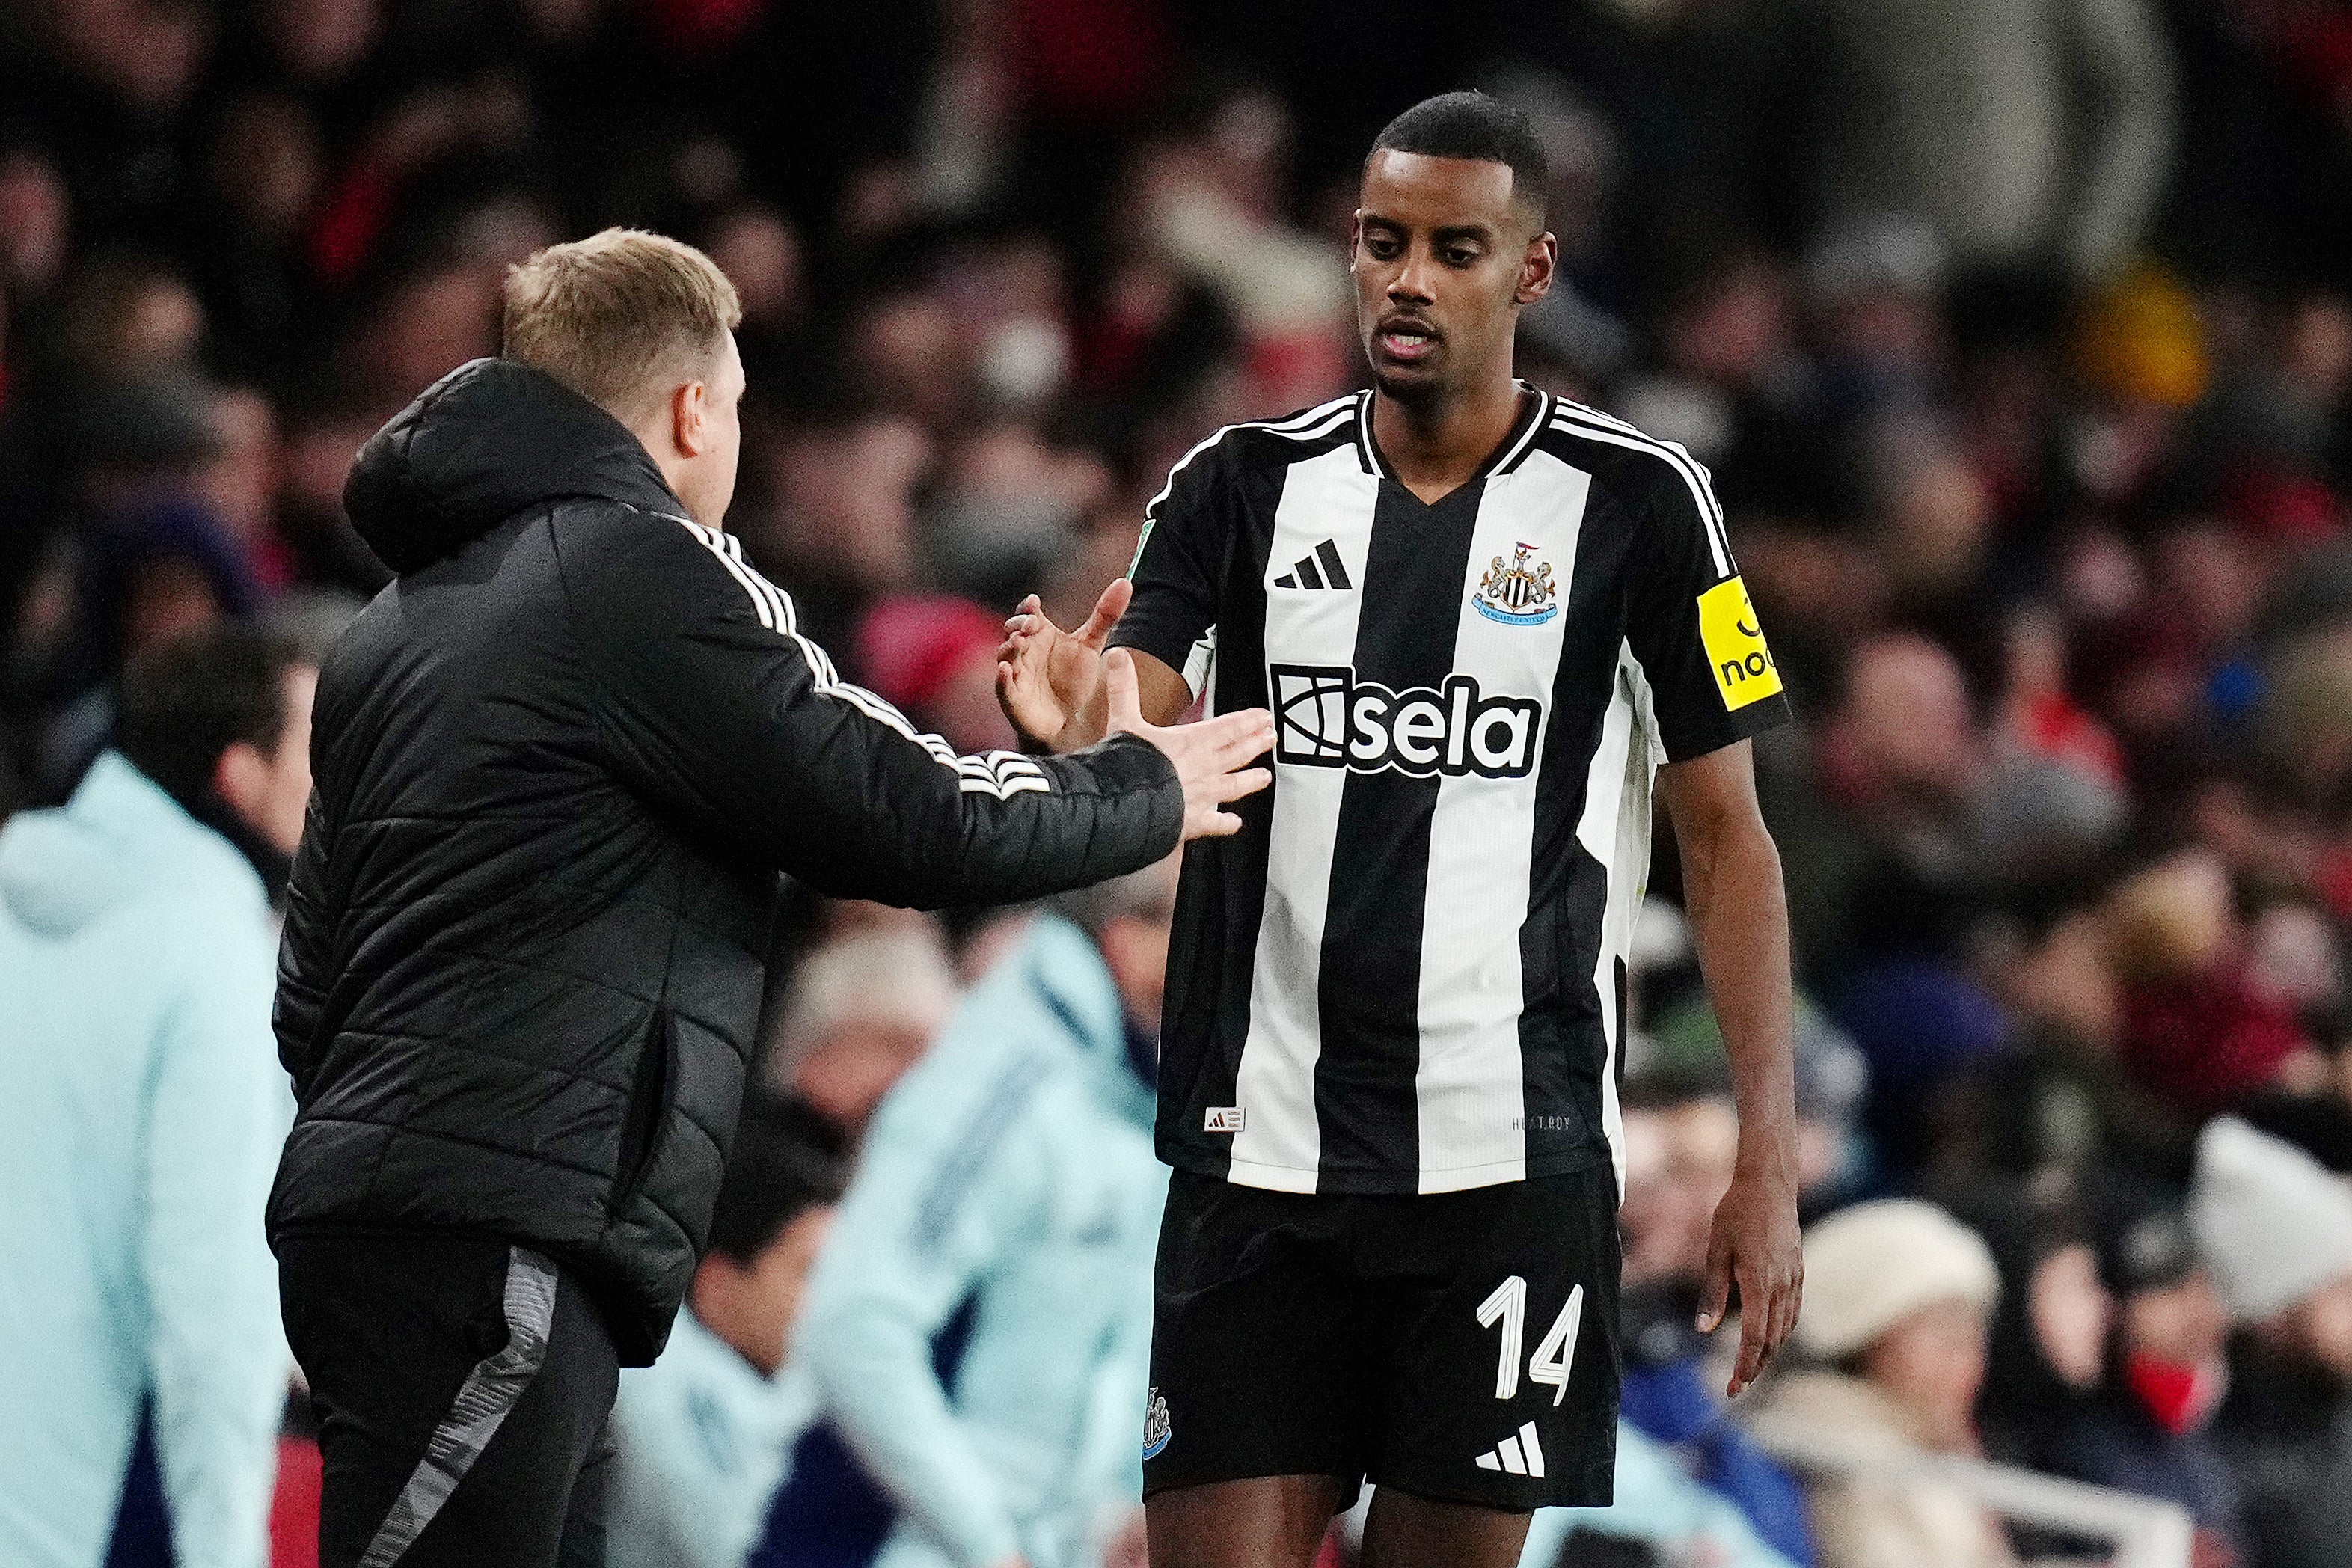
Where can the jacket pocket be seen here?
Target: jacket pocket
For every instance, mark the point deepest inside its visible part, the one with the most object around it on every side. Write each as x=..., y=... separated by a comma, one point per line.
x=650, y=1093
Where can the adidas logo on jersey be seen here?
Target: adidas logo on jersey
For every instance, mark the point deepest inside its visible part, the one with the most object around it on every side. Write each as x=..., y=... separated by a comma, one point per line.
x=1326, y=718
x=1521, y=1453
x=1323, y=569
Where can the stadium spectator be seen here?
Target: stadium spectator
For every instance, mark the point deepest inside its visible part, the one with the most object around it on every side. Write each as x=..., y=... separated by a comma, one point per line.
x=861, y=1010
x=2147, y=1428
x=1008, y=1201
x=1897, y=1297
x=1660, y=1506
x=2275, y=1228
x=936, y=658
x=141, y=1110
x=1679, y=1148
x=2047, y=1353
x=701, y=1435
x=2024, y=131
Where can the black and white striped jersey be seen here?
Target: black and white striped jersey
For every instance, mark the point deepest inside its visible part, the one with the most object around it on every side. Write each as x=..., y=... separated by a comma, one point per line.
x=1406, y=974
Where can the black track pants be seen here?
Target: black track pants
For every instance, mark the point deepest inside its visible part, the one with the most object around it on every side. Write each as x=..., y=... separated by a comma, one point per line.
x=462, y=1387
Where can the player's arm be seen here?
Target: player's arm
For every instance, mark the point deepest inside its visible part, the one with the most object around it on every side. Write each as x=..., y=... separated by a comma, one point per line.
x=1713, y=687
x=1739, y=921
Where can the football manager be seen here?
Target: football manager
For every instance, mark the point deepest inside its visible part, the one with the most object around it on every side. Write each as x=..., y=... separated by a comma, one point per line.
x=559, y=764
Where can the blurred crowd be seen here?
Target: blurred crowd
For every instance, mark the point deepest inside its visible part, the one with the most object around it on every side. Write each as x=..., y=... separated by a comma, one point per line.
x=2017, y=335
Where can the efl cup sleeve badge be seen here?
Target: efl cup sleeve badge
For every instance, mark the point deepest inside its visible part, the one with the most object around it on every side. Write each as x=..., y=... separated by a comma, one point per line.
x=1155, y=1425
x=1517, y=595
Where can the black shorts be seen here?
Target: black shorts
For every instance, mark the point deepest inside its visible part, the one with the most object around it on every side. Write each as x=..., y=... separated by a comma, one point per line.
x=1458, y=1346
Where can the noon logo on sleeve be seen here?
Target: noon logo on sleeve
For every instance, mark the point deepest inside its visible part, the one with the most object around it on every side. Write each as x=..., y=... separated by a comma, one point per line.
x=1744, y=671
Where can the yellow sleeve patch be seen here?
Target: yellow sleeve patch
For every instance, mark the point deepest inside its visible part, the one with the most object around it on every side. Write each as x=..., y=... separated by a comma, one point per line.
x=1743, y=666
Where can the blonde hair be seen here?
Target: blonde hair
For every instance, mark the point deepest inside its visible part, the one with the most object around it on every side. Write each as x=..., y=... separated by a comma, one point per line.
x=619, y=317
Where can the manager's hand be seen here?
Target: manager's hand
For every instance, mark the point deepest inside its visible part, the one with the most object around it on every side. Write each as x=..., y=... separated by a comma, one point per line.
x=1209, y=755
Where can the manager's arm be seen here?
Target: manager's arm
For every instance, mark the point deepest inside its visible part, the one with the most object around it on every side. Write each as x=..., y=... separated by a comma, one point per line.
x=713, y=702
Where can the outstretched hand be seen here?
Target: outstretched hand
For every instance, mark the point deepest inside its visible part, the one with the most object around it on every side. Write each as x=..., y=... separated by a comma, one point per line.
x=1209, y=755
x=1050, y=681
x=1756, y=1245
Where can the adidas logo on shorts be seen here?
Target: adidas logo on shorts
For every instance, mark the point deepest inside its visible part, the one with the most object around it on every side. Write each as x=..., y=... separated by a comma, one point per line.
x=1521, y=1453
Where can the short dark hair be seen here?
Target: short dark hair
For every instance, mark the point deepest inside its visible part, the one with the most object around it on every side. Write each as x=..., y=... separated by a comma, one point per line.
x=785, y=1162
x=1474, y=125
x=188, y=698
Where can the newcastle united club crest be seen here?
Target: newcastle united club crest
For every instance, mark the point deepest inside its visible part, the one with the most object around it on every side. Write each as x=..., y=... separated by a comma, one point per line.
x=1155, y=1425
x=1517, y=594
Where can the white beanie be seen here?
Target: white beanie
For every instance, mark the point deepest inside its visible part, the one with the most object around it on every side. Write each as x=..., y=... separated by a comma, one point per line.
x=2272, y=1222
x=1869, y=1266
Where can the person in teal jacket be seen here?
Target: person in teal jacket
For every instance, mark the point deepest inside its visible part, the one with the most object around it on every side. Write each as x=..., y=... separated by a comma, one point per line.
x=1660, y=1505
x=1008, y=1183
x=702, y=1434
x=142, y=1108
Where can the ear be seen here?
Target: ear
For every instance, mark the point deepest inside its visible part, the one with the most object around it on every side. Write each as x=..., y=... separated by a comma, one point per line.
x=715, y=1278
x=689, y=418
x=1355, y=232
x=241, y=777
x=1537, y=269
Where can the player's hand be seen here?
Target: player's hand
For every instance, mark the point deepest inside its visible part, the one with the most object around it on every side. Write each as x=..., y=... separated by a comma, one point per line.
x=1755, y=1245
x=1049, y=681
x=1208, y=755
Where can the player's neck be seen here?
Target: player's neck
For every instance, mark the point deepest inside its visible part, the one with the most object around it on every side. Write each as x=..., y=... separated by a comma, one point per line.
x=1435, y=450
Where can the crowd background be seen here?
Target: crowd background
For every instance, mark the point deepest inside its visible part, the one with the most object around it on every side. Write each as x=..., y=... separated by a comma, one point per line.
x=2017, y=335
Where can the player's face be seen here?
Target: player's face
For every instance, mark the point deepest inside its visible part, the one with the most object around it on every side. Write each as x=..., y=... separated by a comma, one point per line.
x=1443, y=258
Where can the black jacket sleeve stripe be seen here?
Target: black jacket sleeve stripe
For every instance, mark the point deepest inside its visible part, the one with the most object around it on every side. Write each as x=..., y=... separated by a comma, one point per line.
x=713, y=703
x=1000, y=774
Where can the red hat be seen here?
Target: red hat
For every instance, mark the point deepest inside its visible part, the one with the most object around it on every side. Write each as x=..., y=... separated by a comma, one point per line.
x=909, y=645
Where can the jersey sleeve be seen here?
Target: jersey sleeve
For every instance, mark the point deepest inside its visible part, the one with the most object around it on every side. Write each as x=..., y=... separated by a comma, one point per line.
x=1177, y=564
x=1689, y=623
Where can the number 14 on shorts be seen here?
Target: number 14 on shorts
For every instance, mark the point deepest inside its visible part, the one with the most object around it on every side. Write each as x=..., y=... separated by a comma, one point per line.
x=1554, y=1355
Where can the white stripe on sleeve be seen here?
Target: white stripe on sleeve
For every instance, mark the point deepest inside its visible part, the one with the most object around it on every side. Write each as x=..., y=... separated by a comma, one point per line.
x=999, y=774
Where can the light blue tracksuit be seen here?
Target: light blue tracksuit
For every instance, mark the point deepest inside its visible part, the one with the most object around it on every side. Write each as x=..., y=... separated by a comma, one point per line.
x=702, y=1440
x=1008, y=1176
x=141, y=1108
x=1659, y=1503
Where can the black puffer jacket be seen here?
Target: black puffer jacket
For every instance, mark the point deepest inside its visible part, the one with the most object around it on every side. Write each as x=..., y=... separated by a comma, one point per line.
x=559, y=764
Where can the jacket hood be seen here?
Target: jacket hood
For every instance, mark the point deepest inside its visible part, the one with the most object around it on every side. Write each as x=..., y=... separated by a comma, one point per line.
x=119, y=839
x=485, y=441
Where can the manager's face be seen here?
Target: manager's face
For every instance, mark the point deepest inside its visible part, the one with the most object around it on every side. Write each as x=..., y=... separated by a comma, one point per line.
x=712, y=471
